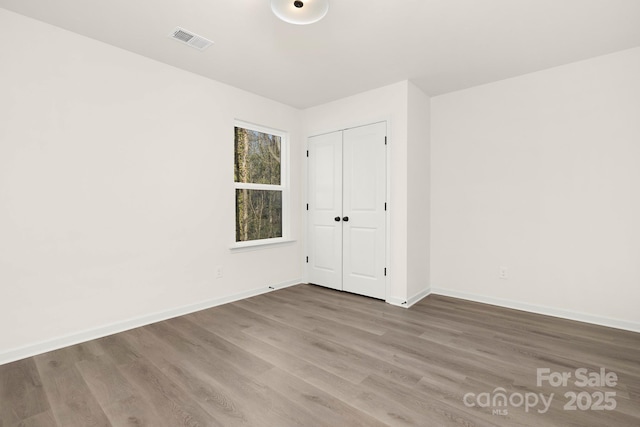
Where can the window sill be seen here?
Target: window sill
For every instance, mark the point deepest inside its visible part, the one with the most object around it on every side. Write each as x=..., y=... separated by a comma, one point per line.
x=259, y=244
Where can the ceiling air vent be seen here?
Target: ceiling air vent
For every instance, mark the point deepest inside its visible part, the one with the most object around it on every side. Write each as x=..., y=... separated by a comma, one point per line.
x=190, y=38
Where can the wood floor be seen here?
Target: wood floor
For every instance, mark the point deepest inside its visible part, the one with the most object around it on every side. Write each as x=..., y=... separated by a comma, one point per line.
x=309, y=356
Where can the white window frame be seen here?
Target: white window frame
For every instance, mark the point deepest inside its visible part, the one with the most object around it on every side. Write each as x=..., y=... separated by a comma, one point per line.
x=284, y=187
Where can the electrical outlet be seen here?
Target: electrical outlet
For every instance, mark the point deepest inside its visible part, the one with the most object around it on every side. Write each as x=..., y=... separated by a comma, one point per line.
x=504, y=273
x=219, y=272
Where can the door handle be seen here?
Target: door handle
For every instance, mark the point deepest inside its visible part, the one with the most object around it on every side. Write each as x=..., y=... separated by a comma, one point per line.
x=336, y=219
x=345, y=218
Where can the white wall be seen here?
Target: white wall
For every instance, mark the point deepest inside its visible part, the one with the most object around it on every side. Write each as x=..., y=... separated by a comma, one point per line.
x=418, y=200
x=541, y=174
x=390, y=103
x=116, y=189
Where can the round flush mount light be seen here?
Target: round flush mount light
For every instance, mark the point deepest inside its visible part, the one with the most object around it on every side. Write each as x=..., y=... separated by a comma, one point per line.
x=300, y=12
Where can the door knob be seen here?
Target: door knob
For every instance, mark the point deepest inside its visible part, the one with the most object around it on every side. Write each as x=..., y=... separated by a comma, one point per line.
x=336, y=218
x=345, y=218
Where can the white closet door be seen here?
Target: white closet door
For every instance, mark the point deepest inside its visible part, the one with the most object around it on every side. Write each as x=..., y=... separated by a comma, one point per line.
x=364, y=194
x=325, y=205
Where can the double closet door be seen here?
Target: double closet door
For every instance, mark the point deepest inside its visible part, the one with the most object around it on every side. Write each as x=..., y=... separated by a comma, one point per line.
x=347, y=210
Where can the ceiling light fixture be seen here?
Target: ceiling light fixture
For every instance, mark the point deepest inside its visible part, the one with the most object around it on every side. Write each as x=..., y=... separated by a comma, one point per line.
x=300, y=12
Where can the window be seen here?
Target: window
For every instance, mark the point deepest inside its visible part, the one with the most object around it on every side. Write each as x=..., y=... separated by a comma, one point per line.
x=260, y=175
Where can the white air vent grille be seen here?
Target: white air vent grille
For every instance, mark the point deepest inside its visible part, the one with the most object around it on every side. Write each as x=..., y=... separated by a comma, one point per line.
x=189, y=38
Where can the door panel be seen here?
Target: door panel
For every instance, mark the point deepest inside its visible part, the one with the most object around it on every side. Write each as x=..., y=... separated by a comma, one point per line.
x=324, y=237
x=361, y=254
x=347, y=181
x=327, y=172
x=364, y=184
x=325, y=204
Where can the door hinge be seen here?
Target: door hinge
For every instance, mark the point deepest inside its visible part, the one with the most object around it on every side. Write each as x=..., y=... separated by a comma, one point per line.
x=385, y=206
x=307, y=153
x=385, y=271
x=307, y=259
x=308, y=206
x=385, y=140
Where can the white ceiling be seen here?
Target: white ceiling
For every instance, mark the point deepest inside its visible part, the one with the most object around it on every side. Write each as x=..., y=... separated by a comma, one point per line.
x=441, y=45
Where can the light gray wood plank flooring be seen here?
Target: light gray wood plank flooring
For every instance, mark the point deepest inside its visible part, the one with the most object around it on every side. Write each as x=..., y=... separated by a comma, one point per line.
x=309, y=356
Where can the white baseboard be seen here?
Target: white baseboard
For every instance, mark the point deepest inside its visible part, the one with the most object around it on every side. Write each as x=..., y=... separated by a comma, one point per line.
x=417, y=297
x=410, y=301
x=87, y=335
x=396, y=301
x=539, y=309
x=12, y=355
